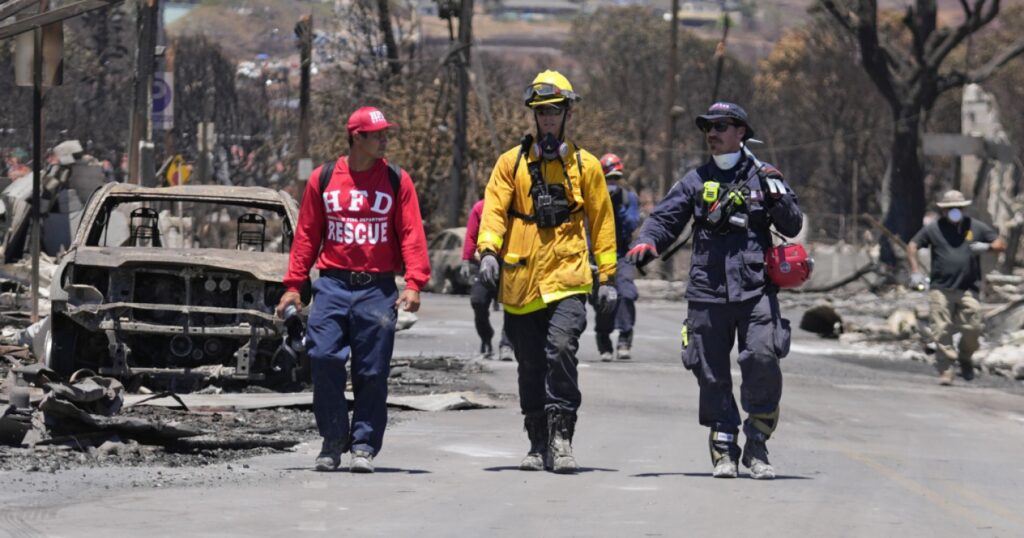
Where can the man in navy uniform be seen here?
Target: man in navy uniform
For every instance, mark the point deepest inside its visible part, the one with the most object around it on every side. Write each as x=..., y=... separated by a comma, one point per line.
x=734, y=201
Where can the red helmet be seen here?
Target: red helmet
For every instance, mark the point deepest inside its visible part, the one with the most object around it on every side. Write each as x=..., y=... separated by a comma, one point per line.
x=611, y=164
x=788, y=265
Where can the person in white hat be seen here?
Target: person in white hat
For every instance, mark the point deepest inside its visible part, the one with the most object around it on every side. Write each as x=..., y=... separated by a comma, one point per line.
x=957, y=243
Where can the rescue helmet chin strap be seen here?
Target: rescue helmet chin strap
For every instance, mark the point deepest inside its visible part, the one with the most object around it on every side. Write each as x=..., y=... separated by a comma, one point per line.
x=562, y=148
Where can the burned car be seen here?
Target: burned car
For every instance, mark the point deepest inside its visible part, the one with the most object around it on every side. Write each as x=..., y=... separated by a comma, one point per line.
x=175, y=282
x=445, y=259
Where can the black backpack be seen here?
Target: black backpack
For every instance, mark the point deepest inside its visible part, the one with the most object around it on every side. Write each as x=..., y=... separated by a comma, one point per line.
x=394, y=174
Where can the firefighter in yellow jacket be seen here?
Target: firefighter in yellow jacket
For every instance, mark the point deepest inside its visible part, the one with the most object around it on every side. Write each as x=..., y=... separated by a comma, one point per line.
x=541, y=198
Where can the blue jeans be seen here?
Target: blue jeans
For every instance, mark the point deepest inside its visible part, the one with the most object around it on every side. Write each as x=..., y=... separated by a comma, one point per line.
x=357, y=321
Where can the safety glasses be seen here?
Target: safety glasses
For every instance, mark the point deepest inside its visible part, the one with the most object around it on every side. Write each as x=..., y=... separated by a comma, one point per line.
x=544, y=90
x=718, y=126
x=549, y=110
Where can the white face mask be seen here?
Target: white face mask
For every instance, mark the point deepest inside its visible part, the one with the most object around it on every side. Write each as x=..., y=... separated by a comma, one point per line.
x=955, y=215
x=727, y=160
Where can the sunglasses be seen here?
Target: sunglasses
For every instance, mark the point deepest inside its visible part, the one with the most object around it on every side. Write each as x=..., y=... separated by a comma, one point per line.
x=718, y=126
x=544, y=90
x=549, y=110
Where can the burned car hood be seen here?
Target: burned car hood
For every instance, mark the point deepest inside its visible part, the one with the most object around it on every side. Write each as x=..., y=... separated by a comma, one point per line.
x=266, y=266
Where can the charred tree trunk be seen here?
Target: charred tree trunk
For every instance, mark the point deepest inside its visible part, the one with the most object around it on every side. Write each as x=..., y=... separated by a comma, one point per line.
x=907, y=65
x=905, y=186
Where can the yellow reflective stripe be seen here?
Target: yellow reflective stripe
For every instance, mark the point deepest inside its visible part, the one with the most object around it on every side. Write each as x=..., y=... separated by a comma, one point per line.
x=562, y=294
x=491, y=237
x=546, y=299
x=532, y=306
x=606, y=258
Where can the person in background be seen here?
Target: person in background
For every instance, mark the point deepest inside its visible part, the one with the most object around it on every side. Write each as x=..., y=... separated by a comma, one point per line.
x=957, y=242
x=480, y=295
x=626, y=206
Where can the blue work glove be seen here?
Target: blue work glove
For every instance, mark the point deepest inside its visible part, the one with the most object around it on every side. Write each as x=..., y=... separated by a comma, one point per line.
x=607, y=297
x=977, y=247
x=489, y=269
x=641, y=254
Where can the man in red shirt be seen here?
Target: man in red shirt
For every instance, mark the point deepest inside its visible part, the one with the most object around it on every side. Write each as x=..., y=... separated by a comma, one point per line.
x=480, y=295
x=358, y=231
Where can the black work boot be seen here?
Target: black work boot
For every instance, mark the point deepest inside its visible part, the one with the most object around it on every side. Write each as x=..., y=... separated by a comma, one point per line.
x=536, y=425
x=486, y=349
x=757, y=429
x=966, y=368
x=561, y=426
x=755, y=458
x=725, y=451
x=330, y=455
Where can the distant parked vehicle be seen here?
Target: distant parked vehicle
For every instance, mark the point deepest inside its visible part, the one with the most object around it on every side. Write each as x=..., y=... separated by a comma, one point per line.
x=445, y=259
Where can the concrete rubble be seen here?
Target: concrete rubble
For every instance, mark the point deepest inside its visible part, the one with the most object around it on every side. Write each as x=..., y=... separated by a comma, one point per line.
x=894, y=325
x=891, y=324
x=99, y=419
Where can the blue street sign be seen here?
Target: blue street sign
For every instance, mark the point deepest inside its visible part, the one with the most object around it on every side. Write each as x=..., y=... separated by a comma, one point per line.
x=163, y=101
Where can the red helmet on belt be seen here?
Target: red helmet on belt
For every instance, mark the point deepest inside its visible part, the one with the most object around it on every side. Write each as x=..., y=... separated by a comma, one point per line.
x=611, y=164
x=788, y=265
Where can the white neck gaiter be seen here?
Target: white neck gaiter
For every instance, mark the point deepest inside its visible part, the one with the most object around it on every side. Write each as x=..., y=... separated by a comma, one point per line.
x=727, y=160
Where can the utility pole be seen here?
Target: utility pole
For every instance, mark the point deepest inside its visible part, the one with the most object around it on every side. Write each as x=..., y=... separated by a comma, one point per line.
x=853, y=202
x=142, y=106
x=304, y=31
x=37, y=159
x=720, y=53
x=461, y=112
x=670, y=101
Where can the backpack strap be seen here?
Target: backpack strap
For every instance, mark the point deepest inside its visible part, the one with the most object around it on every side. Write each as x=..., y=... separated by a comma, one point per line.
x=326, y=171
x=394, y=175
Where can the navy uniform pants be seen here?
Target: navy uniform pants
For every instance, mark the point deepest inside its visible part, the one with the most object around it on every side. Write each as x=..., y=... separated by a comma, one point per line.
x=357, y=322
x=545, y=344
x=623, y=317
x=763, y=338
x=480, y=298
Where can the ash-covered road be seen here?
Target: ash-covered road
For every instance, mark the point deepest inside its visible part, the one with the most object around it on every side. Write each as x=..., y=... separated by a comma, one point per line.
x=864, y=448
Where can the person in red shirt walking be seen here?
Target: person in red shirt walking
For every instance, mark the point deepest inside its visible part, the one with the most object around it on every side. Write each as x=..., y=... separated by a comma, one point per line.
x=481, y=295
x=358, y=231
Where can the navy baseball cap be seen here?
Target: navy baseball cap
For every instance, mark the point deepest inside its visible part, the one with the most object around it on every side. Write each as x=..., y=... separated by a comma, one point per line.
x=722, y=111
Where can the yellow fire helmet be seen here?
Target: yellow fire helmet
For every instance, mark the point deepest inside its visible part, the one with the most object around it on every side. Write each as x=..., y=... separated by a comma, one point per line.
x=549, y=87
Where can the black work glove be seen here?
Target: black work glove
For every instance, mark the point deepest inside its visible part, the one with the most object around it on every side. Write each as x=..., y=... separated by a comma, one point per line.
x=607, y=298
x=490, y=269
x=641, y=254
x=771, y=183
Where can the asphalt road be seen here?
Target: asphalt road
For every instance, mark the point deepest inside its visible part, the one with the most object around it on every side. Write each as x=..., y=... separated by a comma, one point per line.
x=863, y=449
